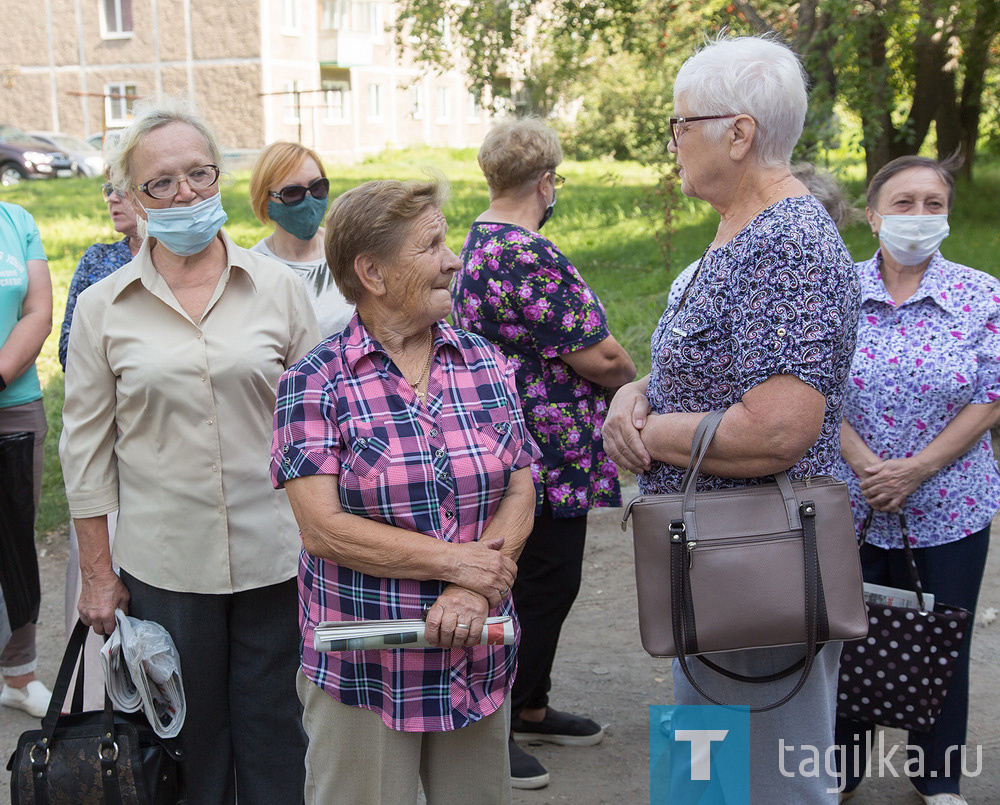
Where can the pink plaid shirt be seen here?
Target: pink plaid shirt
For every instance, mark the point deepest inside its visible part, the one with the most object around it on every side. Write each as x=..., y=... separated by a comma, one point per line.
x=440, y=469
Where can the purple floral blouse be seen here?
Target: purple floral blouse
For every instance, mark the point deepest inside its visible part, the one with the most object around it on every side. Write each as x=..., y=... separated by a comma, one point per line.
x=917, y=365
x=520, y=292
x=781, y=298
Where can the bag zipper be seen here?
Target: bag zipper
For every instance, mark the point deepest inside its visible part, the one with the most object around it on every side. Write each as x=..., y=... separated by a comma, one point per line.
x=718, y=545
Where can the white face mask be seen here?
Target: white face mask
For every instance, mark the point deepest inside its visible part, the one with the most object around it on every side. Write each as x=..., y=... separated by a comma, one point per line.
x=911, y=239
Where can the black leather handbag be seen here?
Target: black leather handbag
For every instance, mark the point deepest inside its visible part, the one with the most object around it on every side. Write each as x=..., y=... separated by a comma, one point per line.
x=100, y=757
x=899, y=675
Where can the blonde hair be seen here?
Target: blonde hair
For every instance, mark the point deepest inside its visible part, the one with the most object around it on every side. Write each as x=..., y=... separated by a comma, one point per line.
x=147, y=116
x=275, y=162
x=372, y=219
x=516, y=151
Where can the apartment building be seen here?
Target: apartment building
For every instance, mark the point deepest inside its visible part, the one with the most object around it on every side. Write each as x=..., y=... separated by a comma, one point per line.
x=322, y=72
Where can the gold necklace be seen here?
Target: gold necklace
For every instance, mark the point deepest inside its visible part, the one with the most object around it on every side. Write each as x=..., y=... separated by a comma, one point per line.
x=763, y=207
x=424, y=375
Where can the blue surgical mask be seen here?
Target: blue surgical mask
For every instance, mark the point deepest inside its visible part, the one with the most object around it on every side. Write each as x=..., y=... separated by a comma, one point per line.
x=302, y=220
x=548, y=210
x=187, y=230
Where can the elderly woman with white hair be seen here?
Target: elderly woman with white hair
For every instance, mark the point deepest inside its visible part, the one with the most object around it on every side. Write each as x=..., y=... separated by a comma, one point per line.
x=170, y=383
x=765, y=331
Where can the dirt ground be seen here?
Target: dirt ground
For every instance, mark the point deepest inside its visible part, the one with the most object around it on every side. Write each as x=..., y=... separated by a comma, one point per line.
x=602, y=671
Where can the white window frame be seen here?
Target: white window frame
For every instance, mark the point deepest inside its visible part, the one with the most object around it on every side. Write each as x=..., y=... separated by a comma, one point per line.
x=418, y=102
x=375, y=101
x=475, y=111
x=329, y=88
x=442, y=104
x=293, y=109
x=115, y=31
x=291, y=18
x=332, y=15
x=112, y=106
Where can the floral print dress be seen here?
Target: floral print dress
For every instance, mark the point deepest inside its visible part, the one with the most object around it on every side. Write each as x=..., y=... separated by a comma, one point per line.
x=520, y=292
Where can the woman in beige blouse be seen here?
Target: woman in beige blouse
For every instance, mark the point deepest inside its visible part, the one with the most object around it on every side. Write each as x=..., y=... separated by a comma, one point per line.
x=170, y=384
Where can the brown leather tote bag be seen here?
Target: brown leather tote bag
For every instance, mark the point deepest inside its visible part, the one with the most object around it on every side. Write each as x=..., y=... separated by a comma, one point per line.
x=774, y=564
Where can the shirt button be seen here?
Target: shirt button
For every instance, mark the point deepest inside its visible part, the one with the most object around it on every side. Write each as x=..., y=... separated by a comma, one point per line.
x=440, y=454
x=284, y=449
x=287, y=462
x=215, y=468
x=222, y=509
x=209, y=421
x=203, y=378
x=781, y=331
x=198, y=336
x=434, y=432
x=362, y=443
x=449, y=515
x=503, y=427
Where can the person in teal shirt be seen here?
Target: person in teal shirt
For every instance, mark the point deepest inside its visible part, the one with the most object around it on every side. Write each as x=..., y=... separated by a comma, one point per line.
x=25, y=323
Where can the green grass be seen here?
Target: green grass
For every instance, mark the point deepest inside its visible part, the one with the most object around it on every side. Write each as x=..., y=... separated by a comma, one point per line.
x=605, y=222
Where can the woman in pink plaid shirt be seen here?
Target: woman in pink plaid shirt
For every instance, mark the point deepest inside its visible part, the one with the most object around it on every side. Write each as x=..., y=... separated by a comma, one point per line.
x=402, y=447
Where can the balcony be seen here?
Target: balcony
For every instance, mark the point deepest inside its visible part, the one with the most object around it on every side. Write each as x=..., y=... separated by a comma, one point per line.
x=345, y=48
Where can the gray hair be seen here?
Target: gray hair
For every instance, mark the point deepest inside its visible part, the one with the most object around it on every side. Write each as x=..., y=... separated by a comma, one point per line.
x=147, y=116
x=827, y=192
x=751, y=75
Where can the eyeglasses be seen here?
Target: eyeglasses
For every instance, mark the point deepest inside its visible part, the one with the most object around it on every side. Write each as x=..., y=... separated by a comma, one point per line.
x=197, y=179
x=295, y=193
x=108, y=190
x=676, y=121
x=557, y=180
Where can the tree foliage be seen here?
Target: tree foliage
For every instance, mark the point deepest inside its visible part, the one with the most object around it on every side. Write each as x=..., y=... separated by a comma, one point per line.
x=905, y=67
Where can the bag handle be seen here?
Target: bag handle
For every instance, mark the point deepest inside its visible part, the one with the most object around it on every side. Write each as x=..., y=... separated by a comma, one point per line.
x=107, y=748
x=680, y=590
x=911, y=561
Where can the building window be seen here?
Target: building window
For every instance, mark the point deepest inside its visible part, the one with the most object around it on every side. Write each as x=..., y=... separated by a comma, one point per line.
x=332, y=16
x=375, y=101
x=293, y=102
x=441, y=104
x=475, y=104
x=116, y=18
x=335, y=97
x=290, y=17
x=118, y=102
x=417, y=102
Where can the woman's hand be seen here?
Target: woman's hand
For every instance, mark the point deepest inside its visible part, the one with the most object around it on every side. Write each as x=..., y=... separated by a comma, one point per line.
x=626, y=417
x=887, y=484
x=100, y=596
x=483, y=569
x=457, y=618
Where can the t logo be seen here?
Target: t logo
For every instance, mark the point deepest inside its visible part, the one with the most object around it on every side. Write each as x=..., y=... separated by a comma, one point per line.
x=701, y=749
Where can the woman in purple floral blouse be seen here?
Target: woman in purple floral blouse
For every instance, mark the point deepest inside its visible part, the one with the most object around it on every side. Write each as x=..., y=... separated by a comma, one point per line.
x=519, y=291
x=924, y=392
x=765, y=331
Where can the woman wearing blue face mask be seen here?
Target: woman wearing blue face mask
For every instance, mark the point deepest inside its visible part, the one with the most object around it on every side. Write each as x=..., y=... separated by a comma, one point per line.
x=924, y=392
x=170, y=383
x=289, y=188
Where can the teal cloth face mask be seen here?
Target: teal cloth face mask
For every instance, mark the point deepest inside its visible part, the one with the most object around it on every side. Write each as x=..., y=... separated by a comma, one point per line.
x=187, y=230
x=302, y=220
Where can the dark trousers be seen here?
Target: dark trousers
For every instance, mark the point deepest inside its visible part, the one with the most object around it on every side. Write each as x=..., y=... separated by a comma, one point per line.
x=548, y=579
x=954, y=573
x=239, y=656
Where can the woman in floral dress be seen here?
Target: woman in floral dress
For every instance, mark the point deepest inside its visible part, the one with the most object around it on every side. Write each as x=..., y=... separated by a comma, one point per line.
x=924, y=392
x=519, y=291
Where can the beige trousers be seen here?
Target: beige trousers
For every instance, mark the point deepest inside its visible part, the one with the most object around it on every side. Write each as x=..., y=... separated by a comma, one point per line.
x=354, y=757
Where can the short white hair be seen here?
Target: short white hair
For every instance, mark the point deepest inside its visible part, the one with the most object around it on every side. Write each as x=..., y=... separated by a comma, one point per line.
x=148, y=115
x=752, y=75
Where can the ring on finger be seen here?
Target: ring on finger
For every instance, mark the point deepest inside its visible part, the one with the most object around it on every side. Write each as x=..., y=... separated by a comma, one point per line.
x=462, y=626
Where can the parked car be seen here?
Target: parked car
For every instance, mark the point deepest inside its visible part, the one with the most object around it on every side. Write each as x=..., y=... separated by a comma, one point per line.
x=23, y=157
x=87, y=160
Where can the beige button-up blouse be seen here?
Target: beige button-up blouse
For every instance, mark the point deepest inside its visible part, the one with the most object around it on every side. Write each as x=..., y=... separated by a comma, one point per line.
x=168, y=420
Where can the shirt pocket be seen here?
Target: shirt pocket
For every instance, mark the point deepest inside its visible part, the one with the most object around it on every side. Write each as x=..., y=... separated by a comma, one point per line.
x=496, y=432
x=368, y=449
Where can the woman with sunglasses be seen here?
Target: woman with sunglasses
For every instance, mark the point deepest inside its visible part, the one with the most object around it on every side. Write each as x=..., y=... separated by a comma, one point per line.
x=518, y=290
x=170, y=384
x=289, y=188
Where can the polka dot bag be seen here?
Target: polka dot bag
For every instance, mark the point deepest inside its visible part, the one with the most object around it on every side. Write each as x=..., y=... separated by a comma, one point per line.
x=898, y=676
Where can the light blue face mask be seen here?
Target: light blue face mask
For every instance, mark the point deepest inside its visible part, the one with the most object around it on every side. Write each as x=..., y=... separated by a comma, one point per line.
x=187, y=230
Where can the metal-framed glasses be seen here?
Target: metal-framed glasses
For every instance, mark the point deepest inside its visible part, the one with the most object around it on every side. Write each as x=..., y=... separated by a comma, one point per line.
x=293, y=194
x=108, y=190
x=557, y=180
x=200, y=178
x=676, y=121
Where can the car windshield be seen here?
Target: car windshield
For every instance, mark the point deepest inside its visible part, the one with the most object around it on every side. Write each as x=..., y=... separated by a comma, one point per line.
x=11, y=134
x=72, y=144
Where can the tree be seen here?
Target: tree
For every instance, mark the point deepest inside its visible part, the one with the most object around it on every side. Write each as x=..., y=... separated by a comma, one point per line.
x=901, y=65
